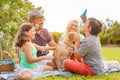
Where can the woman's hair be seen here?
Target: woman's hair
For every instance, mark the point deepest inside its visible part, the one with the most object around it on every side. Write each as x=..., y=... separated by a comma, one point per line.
x=21, y=37
x=69, y=26
x=95, y=25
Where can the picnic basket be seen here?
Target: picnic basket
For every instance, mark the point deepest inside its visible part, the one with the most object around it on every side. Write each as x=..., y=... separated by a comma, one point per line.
x=6, y=62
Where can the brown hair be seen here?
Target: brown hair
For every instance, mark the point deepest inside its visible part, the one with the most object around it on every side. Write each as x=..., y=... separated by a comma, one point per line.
x=21, y=37
x=95, y=25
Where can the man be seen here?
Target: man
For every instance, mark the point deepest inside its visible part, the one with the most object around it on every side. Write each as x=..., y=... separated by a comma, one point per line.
x=90, y=50
x=42, y=36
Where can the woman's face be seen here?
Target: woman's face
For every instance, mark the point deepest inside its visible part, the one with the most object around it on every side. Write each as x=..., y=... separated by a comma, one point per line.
x=31, y=33
x=73, y=26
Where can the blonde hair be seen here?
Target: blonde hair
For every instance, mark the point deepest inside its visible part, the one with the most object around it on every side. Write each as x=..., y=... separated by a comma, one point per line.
x=67, y=30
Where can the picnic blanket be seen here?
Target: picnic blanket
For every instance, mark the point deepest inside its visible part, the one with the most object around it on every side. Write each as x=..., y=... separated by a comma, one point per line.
x=55, y=72
x=43, y=74
x=110, y=66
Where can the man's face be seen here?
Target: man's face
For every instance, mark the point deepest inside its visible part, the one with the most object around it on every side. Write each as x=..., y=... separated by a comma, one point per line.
x=38, y=23
x=85, y=27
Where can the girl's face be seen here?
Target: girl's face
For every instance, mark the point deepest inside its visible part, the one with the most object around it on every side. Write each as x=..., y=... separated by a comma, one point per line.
x=73, y=26
x=31, y=33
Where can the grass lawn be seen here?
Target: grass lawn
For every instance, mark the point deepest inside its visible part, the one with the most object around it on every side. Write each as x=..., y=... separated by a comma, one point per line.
x=109, y=53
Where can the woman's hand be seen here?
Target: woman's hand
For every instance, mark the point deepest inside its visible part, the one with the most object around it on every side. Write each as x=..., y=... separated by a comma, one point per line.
x=77, y=38
x=77, y=41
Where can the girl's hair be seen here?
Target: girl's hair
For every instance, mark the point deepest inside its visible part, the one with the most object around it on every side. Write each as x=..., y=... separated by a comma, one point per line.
x=69, y=26
x=21, y=37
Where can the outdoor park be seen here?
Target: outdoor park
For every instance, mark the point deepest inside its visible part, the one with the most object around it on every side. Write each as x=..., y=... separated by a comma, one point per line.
x=14, y=13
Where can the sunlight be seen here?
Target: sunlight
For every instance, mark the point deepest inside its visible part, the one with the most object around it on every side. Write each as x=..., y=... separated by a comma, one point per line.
x=59, y=12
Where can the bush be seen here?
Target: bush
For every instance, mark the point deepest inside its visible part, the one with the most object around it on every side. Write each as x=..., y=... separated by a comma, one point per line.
x=56, y=36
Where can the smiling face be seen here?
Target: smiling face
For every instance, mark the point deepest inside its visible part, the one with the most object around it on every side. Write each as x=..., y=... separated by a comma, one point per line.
x=38, y=23
x=31, y=33
x=72, y=26
x=36, y=18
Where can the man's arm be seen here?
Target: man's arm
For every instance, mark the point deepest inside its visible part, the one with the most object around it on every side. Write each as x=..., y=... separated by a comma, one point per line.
x=52, y=43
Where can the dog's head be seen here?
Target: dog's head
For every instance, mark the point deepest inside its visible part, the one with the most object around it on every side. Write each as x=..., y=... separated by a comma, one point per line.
x=70, y=37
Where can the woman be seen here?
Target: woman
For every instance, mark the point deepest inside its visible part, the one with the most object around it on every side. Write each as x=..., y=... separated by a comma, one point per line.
x=72, y=26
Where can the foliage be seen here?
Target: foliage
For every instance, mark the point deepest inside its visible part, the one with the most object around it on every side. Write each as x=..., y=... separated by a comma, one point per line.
x=111, y=34
x=12, y=15
x=56, y=36
x=114, y=33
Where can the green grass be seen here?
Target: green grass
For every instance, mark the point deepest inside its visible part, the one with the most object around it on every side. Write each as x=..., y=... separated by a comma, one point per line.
x=108, y=54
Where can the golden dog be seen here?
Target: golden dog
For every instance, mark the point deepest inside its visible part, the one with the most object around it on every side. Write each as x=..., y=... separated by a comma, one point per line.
x=62, y=51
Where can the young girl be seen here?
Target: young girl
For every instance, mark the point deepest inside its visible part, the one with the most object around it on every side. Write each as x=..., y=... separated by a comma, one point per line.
x=28, y=60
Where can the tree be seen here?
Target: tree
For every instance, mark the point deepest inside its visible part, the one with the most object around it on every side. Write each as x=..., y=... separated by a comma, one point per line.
x=56, y=36
x=110, y=34
x=114, y=33
x=103, y=35
x=12, y=14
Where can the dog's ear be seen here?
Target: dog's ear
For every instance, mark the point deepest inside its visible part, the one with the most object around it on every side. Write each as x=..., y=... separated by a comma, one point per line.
x=71, y=36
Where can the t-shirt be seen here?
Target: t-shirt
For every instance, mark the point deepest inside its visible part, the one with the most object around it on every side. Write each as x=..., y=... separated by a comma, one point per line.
x=24, y=63
x=42, y=39
x=90, y=50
